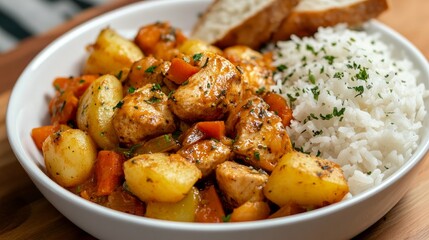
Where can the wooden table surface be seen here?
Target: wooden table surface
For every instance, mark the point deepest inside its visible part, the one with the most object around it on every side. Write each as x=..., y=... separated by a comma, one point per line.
x=26, y=214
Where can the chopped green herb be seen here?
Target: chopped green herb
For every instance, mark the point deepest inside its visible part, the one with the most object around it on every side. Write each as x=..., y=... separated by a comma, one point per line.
x=257, y=155
x=281, y=67
x=153, y=100
x=118, y=105
x=119, y=75
x=131, y=89
x=155, y=87
x=197, y=57
x=260, y=91
x=330, y=59
x=150, y=69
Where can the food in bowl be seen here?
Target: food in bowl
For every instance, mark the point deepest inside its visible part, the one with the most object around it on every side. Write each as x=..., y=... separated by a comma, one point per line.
x=177, y=129
x=104, y=223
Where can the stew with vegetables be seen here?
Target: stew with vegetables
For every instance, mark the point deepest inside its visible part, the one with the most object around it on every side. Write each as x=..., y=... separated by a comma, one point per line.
x=173, y=128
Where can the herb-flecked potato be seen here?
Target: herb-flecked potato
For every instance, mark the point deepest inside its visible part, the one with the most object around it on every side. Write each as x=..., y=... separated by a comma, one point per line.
x=160, y=177
x=112, y=54
x=182, y=211
x=69, y=156
x=96, y=108
x=306, y=180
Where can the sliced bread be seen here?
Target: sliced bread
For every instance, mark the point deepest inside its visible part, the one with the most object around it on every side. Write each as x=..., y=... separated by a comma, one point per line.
x=242, y=22
x=309, y=15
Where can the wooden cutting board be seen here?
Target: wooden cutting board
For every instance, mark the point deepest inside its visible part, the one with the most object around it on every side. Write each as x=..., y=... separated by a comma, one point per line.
x=26, y=214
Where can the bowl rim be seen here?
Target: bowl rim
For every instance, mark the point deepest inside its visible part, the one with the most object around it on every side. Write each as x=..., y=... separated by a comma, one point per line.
x=39, y=176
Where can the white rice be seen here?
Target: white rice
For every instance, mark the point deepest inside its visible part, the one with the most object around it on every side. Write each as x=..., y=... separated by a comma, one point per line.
x=353, y=102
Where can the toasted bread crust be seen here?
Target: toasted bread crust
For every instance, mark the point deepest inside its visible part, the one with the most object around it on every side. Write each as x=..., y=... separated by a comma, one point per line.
x=306, y=23
x=258, y=29
x=255, y=30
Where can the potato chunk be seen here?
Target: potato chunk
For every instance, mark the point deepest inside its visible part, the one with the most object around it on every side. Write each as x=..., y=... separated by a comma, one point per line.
x=96, y=108
x=69, y=156
x=112, y=54
x=160, y=177
x=306, y=180
x=182, y=211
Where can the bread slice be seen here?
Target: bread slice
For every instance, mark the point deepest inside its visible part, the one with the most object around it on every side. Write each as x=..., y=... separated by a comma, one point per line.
x=309, y=15
x=242, y=22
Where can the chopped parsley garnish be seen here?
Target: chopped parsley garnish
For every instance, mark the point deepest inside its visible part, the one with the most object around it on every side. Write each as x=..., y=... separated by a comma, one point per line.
x=257, y=155
x=118, y=105
x=316, y=92
x=362, y=75
x=260, y=91
x=150, y=69
x=281, y=67
x=330, y=59
x=197, y=57
x=119, y=75
x=131, y=89
x=153, y=100
x=359, y=90
x=155, y=87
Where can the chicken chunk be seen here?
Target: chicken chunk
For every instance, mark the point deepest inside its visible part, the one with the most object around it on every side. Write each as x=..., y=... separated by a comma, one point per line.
x=142, y=115
x=145, y=71
x=240, y=183
x=202, y=96
x=206, y=155
x=256, y=73
x=260, y=137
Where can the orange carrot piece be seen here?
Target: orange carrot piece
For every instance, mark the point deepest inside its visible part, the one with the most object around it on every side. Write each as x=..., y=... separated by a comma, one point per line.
x=39, y=134
x=147, y=38
x=63, y=107
x=250, y=211
x=212, y=129
x=210, y=209
x=287, y=210
x=77, y=85
x=279, y=105
x=81, y=83
x=108, y=171
x=180, y=70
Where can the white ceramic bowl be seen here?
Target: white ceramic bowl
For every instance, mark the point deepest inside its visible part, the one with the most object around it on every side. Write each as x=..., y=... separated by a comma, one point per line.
x=28, y=109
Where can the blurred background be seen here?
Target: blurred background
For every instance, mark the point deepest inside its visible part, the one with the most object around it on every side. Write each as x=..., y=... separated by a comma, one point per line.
x=20, y=19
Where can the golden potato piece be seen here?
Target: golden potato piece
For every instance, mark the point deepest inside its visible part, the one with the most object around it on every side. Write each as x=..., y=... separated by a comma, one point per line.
x=195, y=46
x=96, y=108
x=306, y=180
x=69, y=156
x=159, y=177
x=182, y=211
x=111, y=54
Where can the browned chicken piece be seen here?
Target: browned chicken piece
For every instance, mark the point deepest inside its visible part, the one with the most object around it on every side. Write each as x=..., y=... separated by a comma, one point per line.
x=256, y=73
x=260, y=137
x=143, y=114
x=203, y=95
x=160, y=40
x=206, y=155
x=145, y=71
x=240, y=183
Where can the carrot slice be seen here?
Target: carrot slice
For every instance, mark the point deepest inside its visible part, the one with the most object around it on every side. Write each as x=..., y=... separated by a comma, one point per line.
x=279, y=105
x=210, y=209
x=63, y=107
x=77, y=85
x=39, y=134
x=250, y=211
x=212, y=129
x=180, y=71
x=108, y=171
